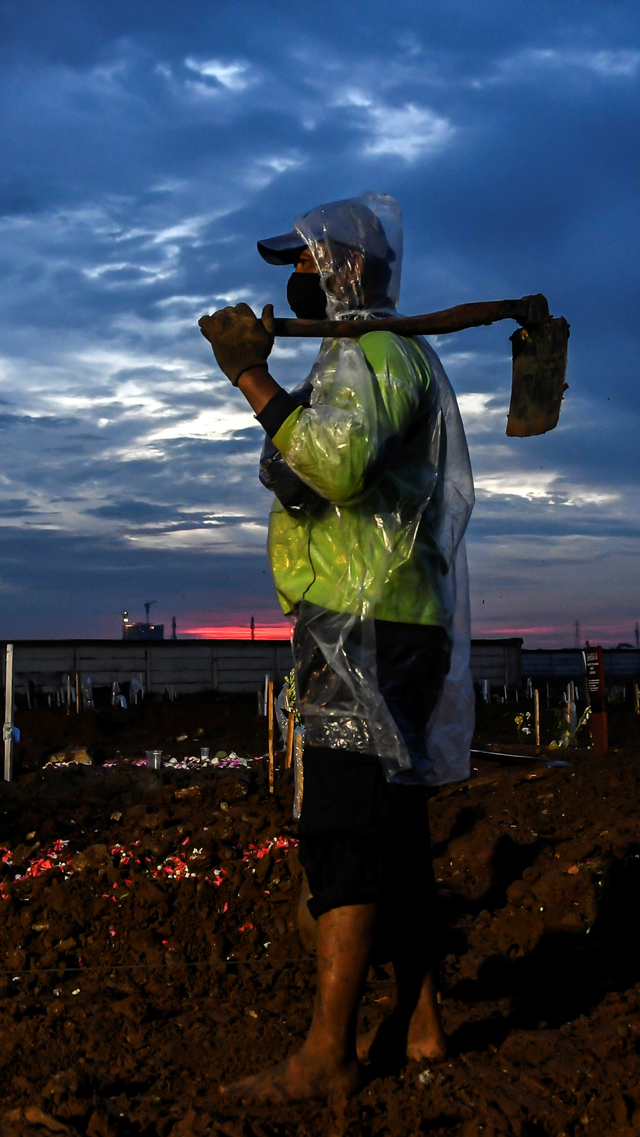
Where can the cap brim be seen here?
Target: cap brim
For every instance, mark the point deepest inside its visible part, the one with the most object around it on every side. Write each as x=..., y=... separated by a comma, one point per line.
x=282, y=250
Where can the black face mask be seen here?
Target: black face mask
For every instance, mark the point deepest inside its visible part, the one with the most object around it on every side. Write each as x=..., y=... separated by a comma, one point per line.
x=305, y=296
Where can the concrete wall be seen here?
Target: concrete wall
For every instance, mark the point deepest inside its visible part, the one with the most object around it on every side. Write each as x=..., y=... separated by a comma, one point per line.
x=499, y=661
x=240, y=665
x=197, y=665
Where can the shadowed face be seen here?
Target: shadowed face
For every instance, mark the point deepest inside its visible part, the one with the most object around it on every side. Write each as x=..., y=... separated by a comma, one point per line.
x=347, y=272
x=308, y=298
x=306, y=262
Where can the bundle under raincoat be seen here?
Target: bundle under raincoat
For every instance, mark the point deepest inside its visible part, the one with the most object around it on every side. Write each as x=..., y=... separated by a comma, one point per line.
x=373, y=492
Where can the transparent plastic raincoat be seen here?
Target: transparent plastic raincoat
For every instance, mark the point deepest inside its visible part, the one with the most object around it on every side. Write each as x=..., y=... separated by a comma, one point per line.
x=373, y=492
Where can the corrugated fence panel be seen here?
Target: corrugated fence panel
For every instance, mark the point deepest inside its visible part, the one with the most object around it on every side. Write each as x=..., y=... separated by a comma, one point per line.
x=618, y=664
x=547, y=664
x=621, y=664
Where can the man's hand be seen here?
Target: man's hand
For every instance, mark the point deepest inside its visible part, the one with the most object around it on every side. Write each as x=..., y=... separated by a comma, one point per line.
x=239, y=339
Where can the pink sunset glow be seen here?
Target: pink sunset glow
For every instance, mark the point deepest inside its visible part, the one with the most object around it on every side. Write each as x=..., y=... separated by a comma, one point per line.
x=240, y=632
x=561, y=635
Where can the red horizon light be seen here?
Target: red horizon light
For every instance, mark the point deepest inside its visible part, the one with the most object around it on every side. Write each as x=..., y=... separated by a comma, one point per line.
x=521, y=631
x=241, y=632
x=588, y=631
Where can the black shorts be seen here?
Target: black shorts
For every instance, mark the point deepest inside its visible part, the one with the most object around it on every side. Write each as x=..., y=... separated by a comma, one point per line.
x=362, y=839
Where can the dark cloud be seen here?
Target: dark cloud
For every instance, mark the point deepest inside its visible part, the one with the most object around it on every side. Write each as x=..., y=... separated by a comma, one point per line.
x=140, y=511
x=146, y=148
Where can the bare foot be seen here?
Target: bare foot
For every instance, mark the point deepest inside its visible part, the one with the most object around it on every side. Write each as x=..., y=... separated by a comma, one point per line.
x=365, y=1042
x=425, y=1038
x=300, y=1077
x=385, y=1044
x=392, y=1041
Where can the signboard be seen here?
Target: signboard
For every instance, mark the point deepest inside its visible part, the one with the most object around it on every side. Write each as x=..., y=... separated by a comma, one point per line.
x=597, y=695
x=595, y=675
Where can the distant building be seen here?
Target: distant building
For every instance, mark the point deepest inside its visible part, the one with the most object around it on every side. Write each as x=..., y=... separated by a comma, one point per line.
x=143, y=631
x=147, y=631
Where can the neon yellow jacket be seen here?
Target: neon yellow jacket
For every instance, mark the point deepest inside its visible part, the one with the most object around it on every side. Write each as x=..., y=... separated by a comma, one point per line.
x=370, y=444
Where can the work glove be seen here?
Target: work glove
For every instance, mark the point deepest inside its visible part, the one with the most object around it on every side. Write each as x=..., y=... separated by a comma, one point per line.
x=239, y=339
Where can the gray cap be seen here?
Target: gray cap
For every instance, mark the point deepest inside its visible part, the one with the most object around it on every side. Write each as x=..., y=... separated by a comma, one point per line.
x=282, y=250
x=350, y=223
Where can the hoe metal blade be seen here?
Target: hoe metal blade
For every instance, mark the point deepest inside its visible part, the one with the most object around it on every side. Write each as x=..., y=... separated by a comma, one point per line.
x=538, y=380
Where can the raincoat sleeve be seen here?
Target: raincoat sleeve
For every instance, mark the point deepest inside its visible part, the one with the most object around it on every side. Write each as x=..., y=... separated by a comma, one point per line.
x=365, y=398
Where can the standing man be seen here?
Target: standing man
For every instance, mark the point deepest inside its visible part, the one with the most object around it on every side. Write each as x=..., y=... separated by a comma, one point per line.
x=369, y=467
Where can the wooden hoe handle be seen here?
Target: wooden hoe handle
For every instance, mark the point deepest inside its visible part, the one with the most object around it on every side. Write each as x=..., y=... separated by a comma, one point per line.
x=527, y=311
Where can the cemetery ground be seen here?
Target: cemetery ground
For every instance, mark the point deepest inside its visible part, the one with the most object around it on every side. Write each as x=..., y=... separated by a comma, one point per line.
x=150, y=952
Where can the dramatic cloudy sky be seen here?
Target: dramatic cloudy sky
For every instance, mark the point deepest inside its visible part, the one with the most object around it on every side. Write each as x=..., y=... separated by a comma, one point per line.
x=146, y=146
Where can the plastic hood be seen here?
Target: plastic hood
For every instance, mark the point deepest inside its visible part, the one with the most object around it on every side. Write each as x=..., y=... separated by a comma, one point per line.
x=357, y=246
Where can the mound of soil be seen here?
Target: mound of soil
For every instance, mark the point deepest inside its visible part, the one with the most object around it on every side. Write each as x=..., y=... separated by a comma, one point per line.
x=149, y=938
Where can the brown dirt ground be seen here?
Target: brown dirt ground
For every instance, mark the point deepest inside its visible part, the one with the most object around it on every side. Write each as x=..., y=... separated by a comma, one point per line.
x=129, y=992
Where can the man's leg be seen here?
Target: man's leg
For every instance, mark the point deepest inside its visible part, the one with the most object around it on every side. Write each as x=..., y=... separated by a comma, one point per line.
x=412, y=664
x=407, y=922
x=417, y=1010
x=327, y=1065
x=409, y=933
x=414, y=1028
x=336, y=825
x=414, y=913
x=307, y=924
